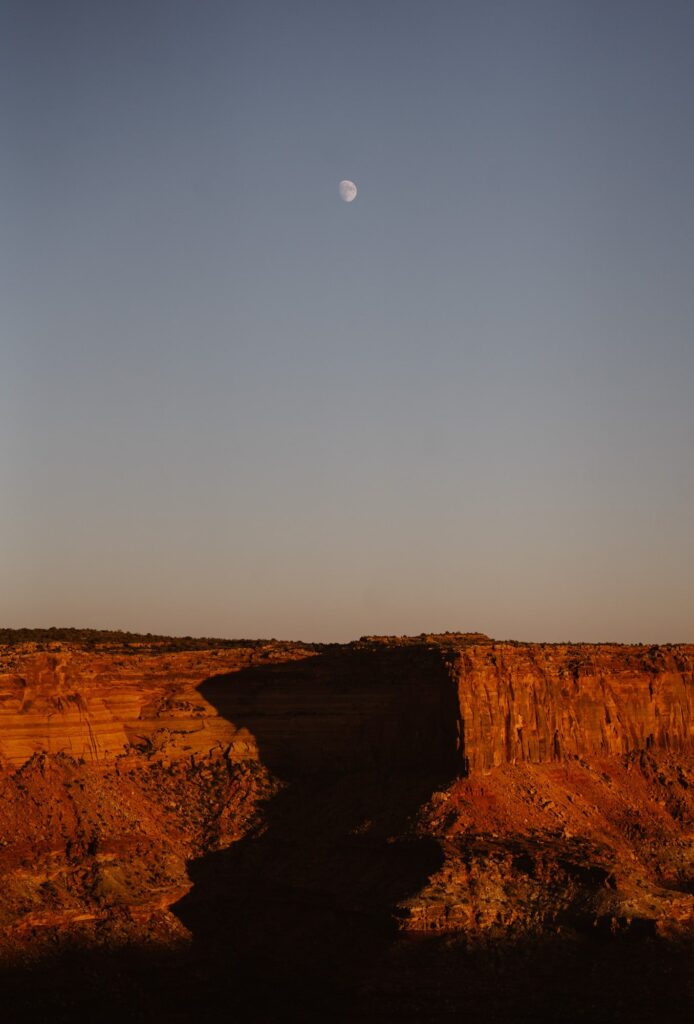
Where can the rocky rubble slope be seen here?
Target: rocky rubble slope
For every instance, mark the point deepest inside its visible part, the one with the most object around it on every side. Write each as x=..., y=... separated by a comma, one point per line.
x=374, y=827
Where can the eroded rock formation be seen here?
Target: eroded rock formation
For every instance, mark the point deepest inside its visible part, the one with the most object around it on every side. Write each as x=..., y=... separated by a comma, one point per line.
x=337, y=802
x=544, y=702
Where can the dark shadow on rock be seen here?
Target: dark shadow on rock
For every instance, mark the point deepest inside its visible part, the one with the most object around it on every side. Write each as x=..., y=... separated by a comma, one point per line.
x=296, y=918
x=632, y=980
x=387, y=709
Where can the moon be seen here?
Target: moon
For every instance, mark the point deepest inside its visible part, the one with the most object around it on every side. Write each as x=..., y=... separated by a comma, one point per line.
x=347, y=190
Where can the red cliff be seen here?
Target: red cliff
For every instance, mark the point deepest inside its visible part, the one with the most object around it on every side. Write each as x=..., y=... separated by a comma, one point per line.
x=328, y=799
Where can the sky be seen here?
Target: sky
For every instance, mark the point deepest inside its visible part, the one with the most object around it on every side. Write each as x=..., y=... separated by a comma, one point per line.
x=233, y=405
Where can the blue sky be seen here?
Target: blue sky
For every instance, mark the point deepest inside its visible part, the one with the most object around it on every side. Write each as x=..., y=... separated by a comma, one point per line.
x=232, y=404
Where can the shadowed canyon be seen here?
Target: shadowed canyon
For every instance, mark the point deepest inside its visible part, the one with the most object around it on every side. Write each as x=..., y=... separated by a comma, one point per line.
x=435, y=828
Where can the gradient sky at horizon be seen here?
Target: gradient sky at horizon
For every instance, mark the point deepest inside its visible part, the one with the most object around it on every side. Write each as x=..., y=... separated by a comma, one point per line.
x=232, y=405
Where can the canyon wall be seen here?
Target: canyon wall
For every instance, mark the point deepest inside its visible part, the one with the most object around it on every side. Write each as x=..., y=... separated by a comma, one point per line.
x=300, y=813
x=290, y=706
x=98, y=705
x=456, y=702
x=541, y=702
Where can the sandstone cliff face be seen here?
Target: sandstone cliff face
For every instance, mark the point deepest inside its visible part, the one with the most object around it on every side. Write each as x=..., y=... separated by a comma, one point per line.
x=329, y=799
x=97, y=706
x=468, y=704
x=540, y=703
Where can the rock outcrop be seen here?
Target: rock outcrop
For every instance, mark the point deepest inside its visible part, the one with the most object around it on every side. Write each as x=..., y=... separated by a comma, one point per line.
x=539, y=702
x=301, y=811
x=462, y=700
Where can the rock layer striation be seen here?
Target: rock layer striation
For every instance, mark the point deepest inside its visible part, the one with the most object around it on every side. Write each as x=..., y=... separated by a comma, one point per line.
x=461, y=700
